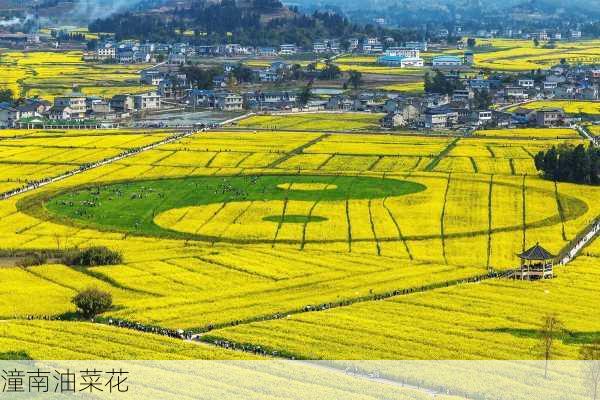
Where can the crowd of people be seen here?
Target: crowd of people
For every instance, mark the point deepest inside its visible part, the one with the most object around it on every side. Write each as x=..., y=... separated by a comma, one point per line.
x=172, y=333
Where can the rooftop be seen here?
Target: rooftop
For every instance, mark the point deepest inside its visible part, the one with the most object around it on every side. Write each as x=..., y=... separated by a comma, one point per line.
x=536, y=253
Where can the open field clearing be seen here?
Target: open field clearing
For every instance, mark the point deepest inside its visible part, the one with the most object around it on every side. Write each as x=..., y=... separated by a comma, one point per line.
x=314, y=122
x=225, y=229
x=570, y=106
x=51, y=74
x=532, y=133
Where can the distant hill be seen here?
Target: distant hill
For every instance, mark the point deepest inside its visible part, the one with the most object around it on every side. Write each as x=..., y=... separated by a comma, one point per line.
x=484, y=12
x=252, y=22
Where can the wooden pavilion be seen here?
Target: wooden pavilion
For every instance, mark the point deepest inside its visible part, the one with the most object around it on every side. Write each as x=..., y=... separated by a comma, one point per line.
x=536, y=263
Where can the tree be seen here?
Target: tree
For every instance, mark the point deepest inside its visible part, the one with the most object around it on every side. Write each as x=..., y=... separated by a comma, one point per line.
x=306, y=94
x=590, y=354
x=92, y=301
x=482, y=99
x=6, y=95
x=471, y=42
x=570, y=164
x=536, y=42
x=550, y=329
x=330, y=72
x=92, y=256
x=355, y=79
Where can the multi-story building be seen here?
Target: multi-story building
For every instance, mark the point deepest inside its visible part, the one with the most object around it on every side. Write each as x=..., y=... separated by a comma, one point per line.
x=403, y=52
x=75, y=103
x=447, y=61
x=122, y=103
x=546, y=117
x=288, y=49
x=421, y=46
x=146, y=101
x=106, y=52
x=229, y=102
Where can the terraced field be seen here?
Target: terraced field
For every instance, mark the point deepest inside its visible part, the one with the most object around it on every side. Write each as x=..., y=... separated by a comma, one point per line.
x=311, y=244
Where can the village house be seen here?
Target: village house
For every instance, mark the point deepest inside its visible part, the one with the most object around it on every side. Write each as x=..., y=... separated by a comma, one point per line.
x=106, y=52
x=481, y=117
x=401, y=61
x=174, y=86
x=447, y=61
x=122, y=103
x=548, y=117
x=146, y=101
x=151, y=77
x=339, y=103
x=463, y=95
x=62, y=113
x=74, y=103
x=421, y=46
x=515, y=93
x=269, y=100
x=288, y=49
x=440, y=118
x=404, y=116
x=229, y=102
x=526, y=83
x=11, y=113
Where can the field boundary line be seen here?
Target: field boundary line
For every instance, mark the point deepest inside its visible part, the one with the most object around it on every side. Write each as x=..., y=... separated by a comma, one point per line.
x=436, y=160
x=490, y=221
x=398, y=229
x=524, y=204
x=298, y=150
x=443, y=217
x=561, y=211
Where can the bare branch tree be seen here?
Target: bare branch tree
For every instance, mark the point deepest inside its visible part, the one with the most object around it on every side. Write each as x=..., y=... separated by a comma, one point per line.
x=550, y=329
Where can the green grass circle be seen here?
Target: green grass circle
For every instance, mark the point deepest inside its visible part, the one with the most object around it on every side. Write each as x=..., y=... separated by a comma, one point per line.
x=131, y=207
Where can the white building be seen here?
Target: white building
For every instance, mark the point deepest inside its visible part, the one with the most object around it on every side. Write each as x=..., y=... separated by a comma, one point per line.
x=288, y=49
x=107, y=52
x=75, y=104
x=229, y=102
x=400, y=61
x=526, y=83
x=403, y=52
x=447, y=61
x=421, y=46
x=146, y=101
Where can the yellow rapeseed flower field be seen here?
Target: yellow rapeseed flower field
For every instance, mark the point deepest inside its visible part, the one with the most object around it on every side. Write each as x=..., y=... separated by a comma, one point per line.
x=332, y=231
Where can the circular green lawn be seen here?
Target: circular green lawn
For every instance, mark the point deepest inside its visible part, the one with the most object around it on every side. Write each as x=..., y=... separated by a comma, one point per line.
x=132, y=207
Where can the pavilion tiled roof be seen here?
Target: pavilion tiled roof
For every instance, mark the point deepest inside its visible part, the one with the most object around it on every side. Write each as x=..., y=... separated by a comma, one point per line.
x=536, y=253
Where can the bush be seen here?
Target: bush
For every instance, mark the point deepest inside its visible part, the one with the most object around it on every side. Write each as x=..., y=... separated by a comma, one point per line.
x=33, y=259
x=92, y=256
x=91, y=302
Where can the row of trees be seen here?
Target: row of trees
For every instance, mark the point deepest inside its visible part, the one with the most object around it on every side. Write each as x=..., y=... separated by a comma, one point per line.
x=570, y=164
